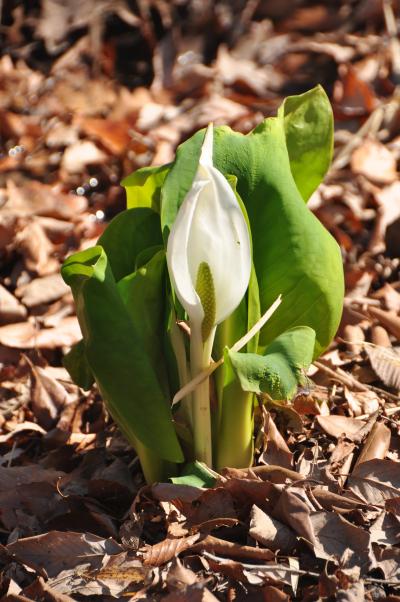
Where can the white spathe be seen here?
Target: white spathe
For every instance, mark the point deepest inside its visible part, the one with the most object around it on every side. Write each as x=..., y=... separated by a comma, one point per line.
x=210, y=227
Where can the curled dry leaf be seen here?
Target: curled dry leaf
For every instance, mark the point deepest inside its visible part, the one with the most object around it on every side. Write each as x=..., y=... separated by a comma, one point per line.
x=231, y=549
x=270, y=532
x=376, y=445
x=167, y=549
x=275, y=451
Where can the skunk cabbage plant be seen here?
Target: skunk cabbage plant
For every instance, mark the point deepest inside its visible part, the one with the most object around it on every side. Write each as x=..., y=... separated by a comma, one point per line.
x=176, y=294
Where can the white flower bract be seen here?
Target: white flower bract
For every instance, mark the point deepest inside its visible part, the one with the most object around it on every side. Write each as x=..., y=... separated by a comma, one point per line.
x=209, y=228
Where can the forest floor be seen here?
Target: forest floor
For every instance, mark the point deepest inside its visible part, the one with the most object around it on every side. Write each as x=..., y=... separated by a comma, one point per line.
x=90, y=91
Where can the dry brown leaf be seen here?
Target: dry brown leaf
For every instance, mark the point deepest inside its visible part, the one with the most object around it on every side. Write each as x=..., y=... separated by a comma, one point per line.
x=193, y=593
x=293, y=509
x=336, y=538
x=376, y=445
x=10, y=309
x=180, y=576
x=386, y=529
x=24, y=335
x=380, y=337
x=48, y=396
x=42, y=290
x=167, y=549
x=352, y=96
x=353, y=335
x=337, y=426
x=388, y=560
x=390, y=296
x=229, y=548
x=376, y=480
x=333, y=501
x=11, y=477
x=242, y=73
x=40, y=590
x=386, y=363
x=112, y=135
x=388, y=319
x=362, y=402
x=388, y=215
x=270, y=532
x=374, y=161
x=36, y=198
x=19, y=428
x=57, y=551
x=77, y=156
x=268, y=472
x=275, y=451
x=37, y=250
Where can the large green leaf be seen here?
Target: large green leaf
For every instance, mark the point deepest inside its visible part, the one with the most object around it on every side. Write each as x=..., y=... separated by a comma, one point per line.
x=114, y=350
x=129, y=234
x=143, y=187
x=308, y=123
x=294, y=255
x=281, y=369
x=143, y=293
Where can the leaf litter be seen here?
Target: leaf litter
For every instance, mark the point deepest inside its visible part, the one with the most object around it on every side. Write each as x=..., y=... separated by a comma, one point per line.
x=91, y=92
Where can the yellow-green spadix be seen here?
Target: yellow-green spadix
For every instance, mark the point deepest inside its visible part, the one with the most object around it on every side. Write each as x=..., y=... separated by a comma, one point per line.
x=208, y=253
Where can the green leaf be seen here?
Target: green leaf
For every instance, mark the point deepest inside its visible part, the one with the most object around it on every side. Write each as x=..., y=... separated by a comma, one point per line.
x=114, y=350
x=143, y=293
x=143, y=187
x=127, y=235
x=77, y=365
x=294, y=255
x=308, y=123
x=281, y=369
x=195, y=474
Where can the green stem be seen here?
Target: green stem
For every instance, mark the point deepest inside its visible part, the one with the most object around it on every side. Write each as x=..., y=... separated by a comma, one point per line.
x=235, y=438
x=200, y=357
x=155, y=469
